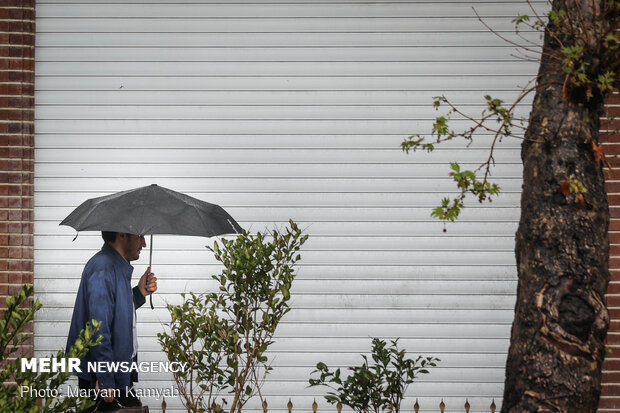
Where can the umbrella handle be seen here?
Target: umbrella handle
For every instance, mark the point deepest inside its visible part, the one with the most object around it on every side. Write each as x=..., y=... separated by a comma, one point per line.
x=150, y=262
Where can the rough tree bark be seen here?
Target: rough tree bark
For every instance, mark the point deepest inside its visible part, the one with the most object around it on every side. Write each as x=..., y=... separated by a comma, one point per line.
x=562, y=249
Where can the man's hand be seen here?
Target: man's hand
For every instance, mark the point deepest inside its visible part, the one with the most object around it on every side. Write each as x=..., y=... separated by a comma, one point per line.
x=147, y=283
x=106, y=394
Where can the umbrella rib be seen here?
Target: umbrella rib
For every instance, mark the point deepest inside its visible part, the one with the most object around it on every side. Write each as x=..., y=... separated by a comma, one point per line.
x=231, y=224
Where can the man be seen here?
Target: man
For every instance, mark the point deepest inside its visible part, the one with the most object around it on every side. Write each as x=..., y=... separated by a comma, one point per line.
x=105, y=294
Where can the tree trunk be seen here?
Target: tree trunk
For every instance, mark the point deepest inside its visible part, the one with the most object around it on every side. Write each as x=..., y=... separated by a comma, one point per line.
x=562, y=246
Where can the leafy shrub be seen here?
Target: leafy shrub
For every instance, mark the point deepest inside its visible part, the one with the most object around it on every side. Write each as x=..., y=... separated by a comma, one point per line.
x=223, y=336
x=20, y=311
x=377, y=387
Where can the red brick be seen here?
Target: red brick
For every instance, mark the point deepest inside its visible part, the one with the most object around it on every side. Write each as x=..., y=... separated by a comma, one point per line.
x=27, y=140
x=18, y=89
x=24, y=64
x=613, y=338
x=20, y=127
x=4, y=152
x=609, y=403
x=22, y=13
x=28, y=153
x=612, y=187
x=21, y=76
x=20, y=102
x=27, y=253
x=20, y=51
x=28, y=240
x=14, y=289
x=12, y=114
x=4, y=190
x=16, y=76
x=14, y=190
x=610, y=124
x=614, y=313
x=613, y=98
x=14, y=202
x=611, y=377
x=610, y=389
x=613, y=301
x=612, y=111
x=609, y=136
x=16, y=265
x=15, y=252
x=12, y=165
x=19, y=3
x=16, y=240
x=16, y=177
x=22, y=38
x=614, y=350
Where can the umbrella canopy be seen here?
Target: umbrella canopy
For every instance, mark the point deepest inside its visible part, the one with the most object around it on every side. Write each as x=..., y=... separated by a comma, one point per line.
x=152, y=210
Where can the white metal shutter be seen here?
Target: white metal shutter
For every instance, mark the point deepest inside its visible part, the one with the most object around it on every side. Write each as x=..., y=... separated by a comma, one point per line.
x=290, y=109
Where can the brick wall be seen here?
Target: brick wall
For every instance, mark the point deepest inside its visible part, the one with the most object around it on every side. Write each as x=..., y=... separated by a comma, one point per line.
x=610, y=399
x=17, y=149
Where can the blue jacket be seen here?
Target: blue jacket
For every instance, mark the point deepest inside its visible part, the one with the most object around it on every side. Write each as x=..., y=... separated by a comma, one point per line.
x=105, y=294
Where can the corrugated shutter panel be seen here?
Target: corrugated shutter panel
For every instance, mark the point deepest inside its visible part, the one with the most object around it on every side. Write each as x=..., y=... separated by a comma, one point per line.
x=291, y=109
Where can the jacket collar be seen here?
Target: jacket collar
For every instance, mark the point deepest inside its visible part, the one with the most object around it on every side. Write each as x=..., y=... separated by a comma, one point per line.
x=119, y=261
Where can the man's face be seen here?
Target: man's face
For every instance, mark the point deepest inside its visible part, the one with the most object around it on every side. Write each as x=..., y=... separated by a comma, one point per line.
x=132, y=246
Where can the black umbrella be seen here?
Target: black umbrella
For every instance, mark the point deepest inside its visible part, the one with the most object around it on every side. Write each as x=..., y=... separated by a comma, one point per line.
x=152, y=210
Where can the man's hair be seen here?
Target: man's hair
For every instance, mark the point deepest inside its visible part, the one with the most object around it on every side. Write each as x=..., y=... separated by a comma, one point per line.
x=108, y=236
